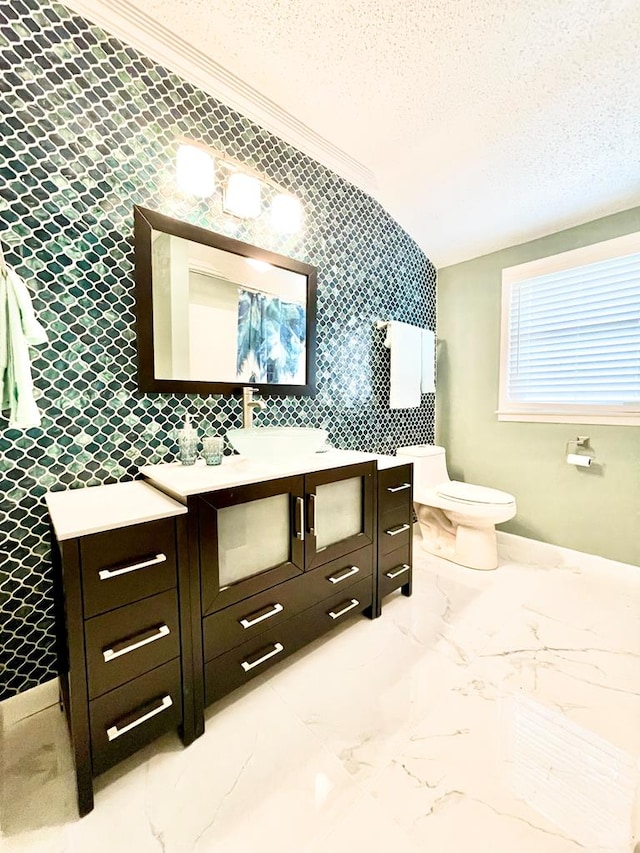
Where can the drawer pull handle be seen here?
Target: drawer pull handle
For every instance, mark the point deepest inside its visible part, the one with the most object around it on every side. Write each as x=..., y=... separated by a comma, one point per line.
x=158, y=633
x=300, y=520
x=352, y=571
x=277, y=648
x=400, y=488
x=354, y=603
x=399, y=571
x=105, y=574
x=393, y=531
x=114, y=732
x=312, y=515
x=248, y=622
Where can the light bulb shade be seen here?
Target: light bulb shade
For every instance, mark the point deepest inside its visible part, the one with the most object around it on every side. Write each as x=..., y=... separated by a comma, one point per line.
x=286, y=214
x=242, y=196
x=195, y=171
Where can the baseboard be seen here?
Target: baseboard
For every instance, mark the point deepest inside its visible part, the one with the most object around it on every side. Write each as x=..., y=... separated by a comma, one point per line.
x=519, y=549
x=29, y=702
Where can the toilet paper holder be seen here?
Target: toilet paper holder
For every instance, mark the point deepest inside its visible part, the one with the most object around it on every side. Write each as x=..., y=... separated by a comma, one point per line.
x=575, y=458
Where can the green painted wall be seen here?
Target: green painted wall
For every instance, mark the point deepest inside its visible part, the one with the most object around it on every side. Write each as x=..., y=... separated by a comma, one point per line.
x=597, y=509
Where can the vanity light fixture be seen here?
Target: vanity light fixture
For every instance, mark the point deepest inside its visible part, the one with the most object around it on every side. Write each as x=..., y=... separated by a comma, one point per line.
x=286, y=214
x=196, y=167
x=242, y=196
x=195, y=171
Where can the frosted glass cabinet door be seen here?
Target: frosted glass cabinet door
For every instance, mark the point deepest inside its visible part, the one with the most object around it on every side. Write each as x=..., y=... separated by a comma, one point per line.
x=339, y=512
x=251, y=538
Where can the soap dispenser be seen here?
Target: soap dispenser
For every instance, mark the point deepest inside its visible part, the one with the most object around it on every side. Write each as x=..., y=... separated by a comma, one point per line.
x=187, y=442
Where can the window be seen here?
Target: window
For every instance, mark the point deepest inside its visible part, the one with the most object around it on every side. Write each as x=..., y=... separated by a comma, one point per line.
x=570, y=346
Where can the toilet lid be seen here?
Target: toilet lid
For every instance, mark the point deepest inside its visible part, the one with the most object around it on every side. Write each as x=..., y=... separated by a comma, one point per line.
x=468, y=493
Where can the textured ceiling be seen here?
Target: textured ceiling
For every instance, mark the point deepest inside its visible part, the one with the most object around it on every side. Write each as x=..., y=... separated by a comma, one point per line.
x=486, y=122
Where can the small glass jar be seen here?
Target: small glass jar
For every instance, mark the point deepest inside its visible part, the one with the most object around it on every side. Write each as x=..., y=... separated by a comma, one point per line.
x=212, y=448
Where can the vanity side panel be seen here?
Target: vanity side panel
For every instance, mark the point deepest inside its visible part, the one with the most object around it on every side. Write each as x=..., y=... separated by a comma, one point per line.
x=193, y=618
x=376, y=609
x=185, y=608
x=74, y=675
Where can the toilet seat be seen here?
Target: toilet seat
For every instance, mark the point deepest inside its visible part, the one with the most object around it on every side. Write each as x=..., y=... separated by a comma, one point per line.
x=467, y=493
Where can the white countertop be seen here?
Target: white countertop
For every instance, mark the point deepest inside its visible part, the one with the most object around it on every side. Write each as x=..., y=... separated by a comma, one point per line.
x=180, y=481
x=95, y=509
x=385, y=462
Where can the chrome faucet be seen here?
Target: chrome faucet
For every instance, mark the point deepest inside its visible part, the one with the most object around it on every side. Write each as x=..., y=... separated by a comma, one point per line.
x=248, y=405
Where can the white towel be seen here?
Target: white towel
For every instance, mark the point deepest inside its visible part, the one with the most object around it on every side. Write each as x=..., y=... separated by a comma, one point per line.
x=428, y=382
x=404, y=341
x=19, y=329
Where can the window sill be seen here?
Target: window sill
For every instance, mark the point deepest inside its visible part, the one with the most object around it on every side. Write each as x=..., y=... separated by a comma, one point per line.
x=613, y=419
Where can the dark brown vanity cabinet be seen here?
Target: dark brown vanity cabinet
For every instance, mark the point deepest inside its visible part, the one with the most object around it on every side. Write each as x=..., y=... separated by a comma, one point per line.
x=123, y=642
x=157, y=619
x=395, y=541
x=280, y=563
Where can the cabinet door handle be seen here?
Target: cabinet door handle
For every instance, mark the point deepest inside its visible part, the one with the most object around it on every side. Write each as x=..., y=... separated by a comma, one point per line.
x=312, y=515
x=248, y=621
x=393, y=531
x=352, y=571
x=300, y=519
x=401, y=488
x=399, y=571
x=115, y=652
x=354, y=603
x=105, y=574
x=114, y=732
x=277, y=648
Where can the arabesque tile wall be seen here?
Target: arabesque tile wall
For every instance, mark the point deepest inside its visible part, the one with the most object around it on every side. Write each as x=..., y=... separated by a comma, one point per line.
x=88, y=128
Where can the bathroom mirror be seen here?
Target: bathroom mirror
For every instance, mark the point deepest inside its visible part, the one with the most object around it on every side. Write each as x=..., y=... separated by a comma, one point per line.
x=214, y=314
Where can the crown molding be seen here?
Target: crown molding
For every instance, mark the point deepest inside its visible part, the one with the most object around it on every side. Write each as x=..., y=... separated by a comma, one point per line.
x=123, y=20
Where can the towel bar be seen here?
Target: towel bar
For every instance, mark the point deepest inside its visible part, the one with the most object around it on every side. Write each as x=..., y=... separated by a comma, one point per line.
x=382, y=324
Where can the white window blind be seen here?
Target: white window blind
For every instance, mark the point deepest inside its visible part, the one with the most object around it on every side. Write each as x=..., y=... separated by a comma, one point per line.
x=571, y=334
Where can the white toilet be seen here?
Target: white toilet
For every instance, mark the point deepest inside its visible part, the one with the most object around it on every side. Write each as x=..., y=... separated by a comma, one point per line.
x=457, y=520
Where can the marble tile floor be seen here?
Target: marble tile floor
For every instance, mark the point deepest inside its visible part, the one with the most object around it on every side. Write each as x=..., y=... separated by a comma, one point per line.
x=491, y=712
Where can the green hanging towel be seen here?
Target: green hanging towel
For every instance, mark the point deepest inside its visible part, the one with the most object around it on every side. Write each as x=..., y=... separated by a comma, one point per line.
x=19, y=329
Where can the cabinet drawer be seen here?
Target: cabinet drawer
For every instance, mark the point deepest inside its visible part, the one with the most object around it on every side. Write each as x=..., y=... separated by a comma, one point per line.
x=131, y=640
x=329, y=579
x=395, y=487
x=229, y=671
x=394, y=570
x=250, y=618
x=122, y=566
x=394, y=529
x=131, y=716
x=259, y=613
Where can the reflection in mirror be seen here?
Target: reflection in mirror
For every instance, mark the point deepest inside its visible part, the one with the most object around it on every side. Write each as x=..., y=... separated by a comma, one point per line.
x=223, y=312
x=258, y=313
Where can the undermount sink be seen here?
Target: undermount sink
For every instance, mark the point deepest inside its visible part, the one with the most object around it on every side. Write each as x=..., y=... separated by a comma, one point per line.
x=269, y=442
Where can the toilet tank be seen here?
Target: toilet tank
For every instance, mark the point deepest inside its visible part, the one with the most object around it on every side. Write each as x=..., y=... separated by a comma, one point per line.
x=429, y=466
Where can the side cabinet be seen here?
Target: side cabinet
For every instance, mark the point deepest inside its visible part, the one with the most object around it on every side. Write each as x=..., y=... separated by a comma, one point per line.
x=123, y=642
x=307, y=567
x=395, y=527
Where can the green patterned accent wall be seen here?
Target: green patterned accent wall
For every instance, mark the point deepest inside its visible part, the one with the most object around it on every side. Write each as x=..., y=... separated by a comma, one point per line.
x=88, y=128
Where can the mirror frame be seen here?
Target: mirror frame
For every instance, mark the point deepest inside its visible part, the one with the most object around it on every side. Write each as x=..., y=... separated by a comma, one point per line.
x=146, y=221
